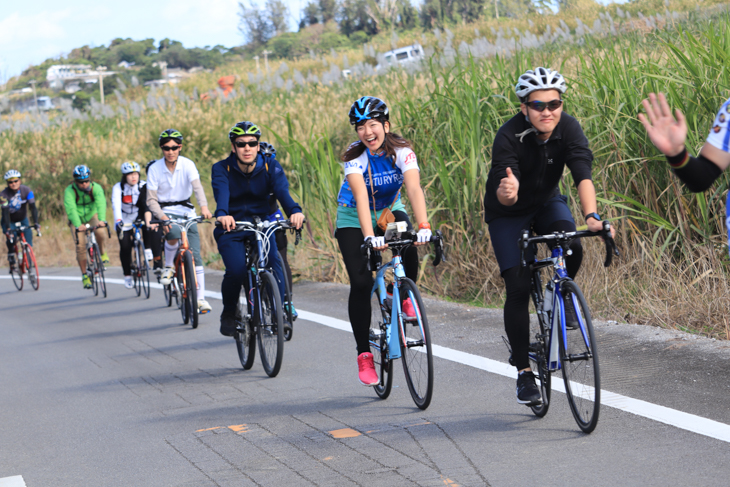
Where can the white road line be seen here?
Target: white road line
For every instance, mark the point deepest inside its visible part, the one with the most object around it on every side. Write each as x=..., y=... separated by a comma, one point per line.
x=686, y=421
x=16, y=481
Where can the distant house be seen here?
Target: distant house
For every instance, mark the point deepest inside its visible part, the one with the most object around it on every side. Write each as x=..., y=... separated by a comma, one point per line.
x=125, y=64
x=58, y=74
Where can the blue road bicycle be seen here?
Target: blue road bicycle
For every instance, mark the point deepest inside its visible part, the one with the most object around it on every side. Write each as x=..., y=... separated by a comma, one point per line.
x=560, y=344
x=393, y=334
x=261, y=313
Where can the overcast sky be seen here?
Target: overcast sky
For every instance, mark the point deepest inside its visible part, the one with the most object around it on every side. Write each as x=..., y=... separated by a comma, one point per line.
x=32, y=31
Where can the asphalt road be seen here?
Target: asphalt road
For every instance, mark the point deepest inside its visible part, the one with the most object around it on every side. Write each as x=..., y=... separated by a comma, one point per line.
x=118, y=392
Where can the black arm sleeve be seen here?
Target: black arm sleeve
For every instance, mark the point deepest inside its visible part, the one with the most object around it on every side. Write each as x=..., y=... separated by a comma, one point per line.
x=698, y=174
x=142, y=202
x=5, y=213
x=34, y=213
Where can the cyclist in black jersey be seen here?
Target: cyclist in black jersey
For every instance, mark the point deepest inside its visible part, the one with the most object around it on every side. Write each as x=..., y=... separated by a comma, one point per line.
x=530, y=153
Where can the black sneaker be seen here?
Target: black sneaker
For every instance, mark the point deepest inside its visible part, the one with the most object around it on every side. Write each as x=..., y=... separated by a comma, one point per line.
x=228, y=324
x=571, y=319
x=527, y=391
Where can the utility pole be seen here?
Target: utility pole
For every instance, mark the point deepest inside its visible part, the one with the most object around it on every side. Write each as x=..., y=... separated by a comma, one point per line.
x=35, y=98
x=101, y=70
x=266, y=59
x=257, y=63
x=496, y=10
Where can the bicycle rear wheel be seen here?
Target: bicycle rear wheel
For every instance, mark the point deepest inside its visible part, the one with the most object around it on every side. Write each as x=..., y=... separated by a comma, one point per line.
x=91, y=269
x=287, y=298
x=270, y=325
x=538, y=355
x=32, y=267
x=99, y=274
x=245, y=339
x=379, y=320
x=16, y=271
x=415, y=345
x=579, y=362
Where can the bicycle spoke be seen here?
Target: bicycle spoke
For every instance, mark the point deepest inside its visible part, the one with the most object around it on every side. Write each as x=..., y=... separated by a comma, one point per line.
x=415, y=344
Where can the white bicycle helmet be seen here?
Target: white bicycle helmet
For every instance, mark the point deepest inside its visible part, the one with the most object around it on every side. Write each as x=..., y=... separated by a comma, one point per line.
x=129, y=167
x=539, y=79
x=12, y=174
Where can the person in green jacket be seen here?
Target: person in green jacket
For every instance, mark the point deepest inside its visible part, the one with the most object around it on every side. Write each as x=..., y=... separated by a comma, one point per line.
x=85, y=203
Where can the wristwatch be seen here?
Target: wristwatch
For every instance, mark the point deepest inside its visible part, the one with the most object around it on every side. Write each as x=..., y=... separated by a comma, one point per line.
x=593, y=215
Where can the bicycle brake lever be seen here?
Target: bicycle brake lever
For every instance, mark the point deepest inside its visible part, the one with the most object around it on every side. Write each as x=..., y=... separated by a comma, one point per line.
x=298, y=237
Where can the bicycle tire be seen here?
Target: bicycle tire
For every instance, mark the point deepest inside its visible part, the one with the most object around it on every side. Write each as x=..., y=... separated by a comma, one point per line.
x=245, y=339
x=16, y=272
x=135, y=271
x=579, y=363
x=181, y=289
x=192, y=290
x=91, y=270
x=416, y=346
x=145, y=277
x=538, y=356
x=379, y=319
x=32, y=267
x=288, y=318
x=270, y=324
x=100, y=270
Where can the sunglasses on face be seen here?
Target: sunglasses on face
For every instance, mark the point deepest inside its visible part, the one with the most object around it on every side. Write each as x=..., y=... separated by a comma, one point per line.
x=13, y=181
x=540, y=106
x=85, y=181
x=241, y=144
x=170, y=147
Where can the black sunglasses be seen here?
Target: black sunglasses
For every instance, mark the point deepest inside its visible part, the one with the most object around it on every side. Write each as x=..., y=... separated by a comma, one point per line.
x=82, y=181
x=540, y=106
x=170, y=147
x=241, y=144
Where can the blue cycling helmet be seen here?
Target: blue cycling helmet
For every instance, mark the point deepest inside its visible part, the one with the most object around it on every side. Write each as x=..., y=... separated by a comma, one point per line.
x=267, y=149
x=82, y=173
x=368, y=108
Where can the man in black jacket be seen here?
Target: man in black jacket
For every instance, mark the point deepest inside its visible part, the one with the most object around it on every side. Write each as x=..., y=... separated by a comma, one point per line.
x=529, y=154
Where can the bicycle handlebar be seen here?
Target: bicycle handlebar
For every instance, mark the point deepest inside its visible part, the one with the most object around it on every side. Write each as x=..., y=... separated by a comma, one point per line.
x=263, y=226
x=564, y=239
x=186, y=222
x=19, y=228
x=437, y=238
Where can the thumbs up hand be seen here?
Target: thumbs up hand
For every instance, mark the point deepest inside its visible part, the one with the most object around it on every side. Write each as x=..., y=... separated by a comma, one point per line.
x=508, y=188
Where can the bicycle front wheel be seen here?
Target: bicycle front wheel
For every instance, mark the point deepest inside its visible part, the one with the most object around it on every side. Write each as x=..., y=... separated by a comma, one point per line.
x=288, y=317
x=135, y=271
x=579, y=362
x=144, y=274
x=99, y=274
x=245, y=339
x=32, y=267
x=16, y=271
x=379, y=320
x=271, y=325
x=415, y=344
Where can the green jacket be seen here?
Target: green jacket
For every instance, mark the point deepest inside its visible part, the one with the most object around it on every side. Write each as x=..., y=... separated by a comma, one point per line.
x=81, y=207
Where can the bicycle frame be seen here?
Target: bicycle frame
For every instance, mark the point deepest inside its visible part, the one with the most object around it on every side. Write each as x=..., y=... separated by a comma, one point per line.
x=556, y=260
x=379, y=287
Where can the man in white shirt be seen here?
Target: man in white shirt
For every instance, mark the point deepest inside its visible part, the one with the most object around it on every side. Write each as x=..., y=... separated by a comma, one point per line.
x=171, y=181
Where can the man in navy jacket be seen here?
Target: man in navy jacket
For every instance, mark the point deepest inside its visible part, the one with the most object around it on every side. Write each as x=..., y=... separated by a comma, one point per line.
x=242, y=184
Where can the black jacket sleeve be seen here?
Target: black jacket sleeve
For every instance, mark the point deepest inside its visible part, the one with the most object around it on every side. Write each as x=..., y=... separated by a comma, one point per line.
x=579, y=157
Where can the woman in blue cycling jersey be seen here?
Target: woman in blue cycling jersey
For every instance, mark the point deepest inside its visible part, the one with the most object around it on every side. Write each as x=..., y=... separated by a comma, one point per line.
x=377, y=166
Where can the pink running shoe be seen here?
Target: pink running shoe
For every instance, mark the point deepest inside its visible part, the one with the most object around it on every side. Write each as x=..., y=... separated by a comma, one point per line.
x=368, y=376
x=409, y=310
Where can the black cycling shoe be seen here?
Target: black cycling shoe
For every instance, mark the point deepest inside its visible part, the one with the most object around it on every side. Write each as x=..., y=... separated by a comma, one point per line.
x=571, y=318
x=527, y=391
x=228, y=324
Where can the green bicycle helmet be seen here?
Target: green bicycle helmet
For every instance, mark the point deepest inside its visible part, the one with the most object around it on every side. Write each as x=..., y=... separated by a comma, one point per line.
x=170, y=134
x=244, y=128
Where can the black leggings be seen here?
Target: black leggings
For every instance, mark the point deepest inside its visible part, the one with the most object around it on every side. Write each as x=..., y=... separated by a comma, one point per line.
x=516, y=307
x=361, y=281
x=152, y=240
